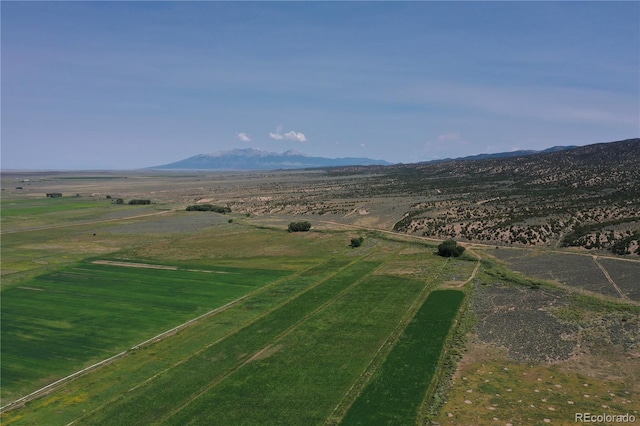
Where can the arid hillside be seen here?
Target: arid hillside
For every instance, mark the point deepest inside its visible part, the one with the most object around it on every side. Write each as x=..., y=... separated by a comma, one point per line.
x=587, y=196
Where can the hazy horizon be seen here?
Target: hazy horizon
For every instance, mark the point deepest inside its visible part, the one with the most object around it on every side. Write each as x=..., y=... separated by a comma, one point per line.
x=129, y=85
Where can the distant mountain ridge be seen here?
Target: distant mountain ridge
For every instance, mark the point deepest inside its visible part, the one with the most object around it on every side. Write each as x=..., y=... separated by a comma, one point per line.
x=255, y=159
x=509, y=154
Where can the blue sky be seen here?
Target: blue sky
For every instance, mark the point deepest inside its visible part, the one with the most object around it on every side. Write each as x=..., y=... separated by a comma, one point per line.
x=118, y=85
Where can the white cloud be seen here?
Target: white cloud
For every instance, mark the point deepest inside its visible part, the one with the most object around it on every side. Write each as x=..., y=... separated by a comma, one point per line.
x=277, y=135
x=295, y=136
x=362, y=145
x=291, y=135
x=243, y=137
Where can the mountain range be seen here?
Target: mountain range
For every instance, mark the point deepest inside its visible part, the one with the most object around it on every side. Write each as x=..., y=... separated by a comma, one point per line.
x=254, y=159
x=508, y=154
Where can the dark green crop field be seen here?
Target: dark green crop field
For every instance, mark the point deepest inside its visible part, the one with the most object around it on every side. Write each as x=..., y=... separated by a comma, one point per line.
x=57, y=322
x=394, y=395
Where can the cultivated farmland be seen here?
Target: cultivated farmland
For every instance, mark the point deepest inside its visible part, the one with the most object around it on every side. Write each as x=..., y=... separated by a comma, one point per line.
x=395, y=393
x=312, y=338
x=57, y=322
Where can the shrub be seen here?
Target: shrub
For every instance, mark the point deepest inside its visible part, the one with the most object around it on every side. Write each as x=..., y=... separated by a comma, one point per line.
x=450, y=248
x=299, y=227
x=137, y=202
x=356, y=242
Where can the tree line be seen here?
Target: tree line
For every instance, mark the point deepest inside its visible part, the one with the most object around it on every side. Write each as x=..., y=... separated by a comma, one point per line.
x=208, y=208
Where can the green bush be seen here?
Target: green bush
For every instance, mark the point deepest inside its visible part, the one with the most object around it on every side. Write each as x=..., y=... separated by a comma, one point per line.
x=450, y=248
x=356, y=242
x=134, y=202
x=299, y=227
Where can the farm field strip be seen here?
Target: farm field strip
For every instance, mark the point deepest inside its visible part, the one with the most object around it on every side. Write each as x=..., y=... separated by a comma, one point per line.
x=301, y=376
x=139, y=367
x=387, y=345
x=154, y=339
x=180, y=382
x=29, y=215
x=83, y=223
x=88, y=312
x=395, y=393
x=301, y=330
x=152, y=266
x=20, y=208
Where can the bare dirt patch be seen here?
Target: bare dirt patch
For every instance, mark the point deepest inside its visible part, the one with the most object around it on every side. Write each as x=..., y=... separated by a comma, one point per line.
x=134, y=265
x=69, y=246
x=265, y=353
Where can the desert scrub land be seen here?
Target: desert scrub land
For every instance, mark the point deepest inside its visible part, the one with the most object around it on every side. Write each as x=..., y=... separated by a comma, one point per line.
x=585, y=198
x=608, y=276
x=538, y=354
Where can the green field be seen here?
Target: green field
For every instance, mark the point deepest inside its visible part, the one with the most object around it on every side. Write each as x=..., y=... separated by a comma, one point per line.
x=41, y=206
x=395, y=393
x=310, y=317
x=51, y=212
x=26, y=213
x=55, y=323
x=286, y=354
x=303, y=374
